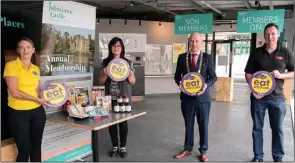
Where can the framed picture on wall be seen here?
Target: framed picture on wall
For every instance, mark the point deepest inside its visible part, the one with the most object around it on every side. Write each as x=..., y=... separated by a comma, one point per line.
x=158, y=59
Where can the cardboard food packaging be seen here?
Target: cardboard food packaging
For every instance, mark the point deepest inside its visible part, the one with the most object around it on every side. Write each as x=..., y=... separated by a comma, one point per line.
x=104, y=102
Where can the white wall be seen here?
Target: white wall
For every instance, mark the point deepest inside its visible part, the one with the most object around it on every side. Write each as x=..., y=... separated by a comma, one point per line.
x=158, y=85
x=156, y=35
x=166, y=84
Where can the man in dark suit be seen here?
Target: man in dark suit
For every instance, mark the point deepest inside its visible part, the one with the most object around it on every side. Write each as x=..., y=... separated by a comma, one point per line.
x=198, y=105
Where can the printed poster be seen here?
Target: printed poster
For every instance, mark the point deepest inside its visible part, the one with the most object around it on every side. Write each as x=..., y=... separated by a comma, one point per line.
x=177, y=49
x=133, y=42
x=158, y=59
x=68, y=36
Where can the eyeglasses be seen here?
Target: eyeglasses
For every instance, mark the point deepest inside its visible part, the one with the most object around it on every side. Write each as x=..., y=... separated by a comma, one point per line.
x=116, y=46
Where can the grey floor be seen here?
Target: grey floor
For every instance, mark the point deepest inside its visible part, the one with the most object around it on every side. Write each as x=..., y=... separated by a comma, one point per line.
x=159, y=134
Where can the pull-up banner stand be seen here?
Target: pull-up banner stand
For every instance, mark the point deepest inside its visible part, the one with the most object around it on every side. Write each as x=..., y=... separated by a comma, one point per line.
x=67, y=48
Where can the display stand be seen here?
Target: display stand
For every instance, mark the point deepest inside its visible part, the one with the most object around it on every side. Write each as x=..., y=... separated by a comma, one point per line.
x=224, y=89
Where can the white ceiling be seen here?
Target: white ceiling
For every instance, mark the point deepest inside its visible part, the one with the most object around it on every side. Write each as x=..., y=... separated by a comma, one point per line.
x=161, y=9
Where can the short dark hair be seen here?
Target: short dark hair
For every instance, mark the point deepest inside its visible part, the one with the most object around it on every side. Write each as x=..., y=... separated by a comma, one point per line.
x=112, y=43
x=271, y=25
x=25, y=39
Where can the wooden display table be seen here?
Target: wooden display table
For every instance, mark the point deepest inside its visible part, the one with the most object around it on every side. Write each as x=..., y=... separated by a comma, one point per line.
x=288, y=87
x=224, y=89
x=96, y=125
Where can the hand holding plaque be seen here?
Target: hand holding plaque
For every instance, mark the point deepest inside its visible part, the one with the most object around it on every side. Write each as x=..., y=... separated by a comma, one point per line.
x=105, y=71
x=202, y=90
x=43, y=102
x=262, y=83
x=192, y=84
x=276, y=74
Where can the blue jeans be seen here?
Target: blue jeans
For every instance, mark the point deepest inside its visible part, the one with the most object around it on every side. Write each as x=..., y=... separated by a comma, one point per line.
x=277, y=111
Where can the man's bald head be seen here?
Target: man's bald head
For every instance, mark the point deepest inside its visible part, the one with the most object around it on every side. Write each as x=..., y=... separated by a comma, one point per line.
x=195, y=35
x=195, y=42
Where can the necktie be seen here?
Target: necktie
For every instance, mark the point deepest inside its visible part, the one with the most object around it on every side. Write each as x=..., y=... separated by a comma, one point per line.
x=194, y=61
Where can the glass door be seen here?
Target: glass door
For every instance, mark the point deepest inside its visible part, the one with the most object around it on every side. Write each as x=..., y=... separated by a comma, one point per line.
x=223, y=58
x=241, y=52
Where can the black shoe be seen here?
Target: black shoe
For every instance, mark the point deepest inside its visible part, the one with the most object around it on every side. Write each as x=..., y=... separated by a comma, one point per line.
x=114, y=151
x=123, y=152
x=277, y=159
x=257, y=160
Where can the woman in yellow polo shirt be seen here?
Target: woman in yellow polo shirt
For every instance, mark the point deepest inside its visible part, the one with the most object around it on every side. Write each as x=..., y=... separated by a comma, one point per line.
x=27, y=116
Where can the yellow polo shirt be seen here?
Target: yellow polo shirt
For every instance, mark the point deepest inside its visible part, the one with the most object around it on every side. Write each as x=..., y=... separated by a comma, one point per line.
x=28, y=80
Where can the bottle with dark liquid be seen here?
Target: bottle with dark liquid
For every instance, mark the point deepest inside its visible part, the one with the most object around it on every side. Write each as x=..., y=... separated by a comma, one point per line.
x=121, y=104
x=127, y=103
x=116, y=107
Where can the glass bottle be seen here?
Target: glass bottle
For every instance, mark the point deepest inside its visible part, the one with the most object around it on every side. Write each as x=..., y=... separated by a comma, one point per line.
x=116, y=108
x=127, y=104
x=122, y=105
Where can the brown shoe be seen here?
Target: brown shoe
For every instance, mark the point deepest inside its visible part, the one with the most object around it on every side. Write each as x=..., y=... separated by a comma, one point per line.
x=183, y=154
x=204, y=158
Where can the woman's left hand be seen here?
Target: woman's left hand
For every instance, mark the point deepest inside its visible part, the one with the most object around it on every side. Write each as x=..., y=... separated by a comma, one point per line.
x=131, y=74
x=131, y=78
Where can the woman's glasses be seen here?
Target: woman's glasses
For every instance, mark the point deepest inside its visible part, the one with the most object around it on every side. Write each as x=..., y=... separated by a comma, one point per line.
x=116, y=46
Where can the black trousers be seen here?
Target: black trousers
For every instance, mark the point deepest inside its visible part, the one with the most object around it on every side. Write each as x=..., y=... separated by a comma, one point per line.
x=27, y=128
x=191, y=109
x=123, y=130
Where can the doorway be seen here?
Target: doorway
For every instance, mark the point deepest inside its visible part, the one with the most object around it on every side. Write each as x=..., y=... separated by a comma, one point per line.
x=223, y=57
x=230, y=57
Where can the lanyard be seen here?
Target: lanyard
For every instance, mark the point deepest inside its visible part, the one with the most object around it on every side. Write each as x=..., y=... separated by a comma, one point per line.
x=200, y=64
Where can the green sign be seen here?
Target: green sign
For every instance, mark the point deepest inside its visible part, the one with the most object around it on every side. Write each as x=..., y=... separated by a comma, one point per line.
x=11, y=23
x=255, y=21
x=187, y=24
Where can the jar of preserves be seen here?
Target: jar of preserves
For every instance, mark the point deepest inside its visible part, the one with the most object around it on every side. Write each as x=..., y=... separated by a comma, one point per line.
x=95, y=90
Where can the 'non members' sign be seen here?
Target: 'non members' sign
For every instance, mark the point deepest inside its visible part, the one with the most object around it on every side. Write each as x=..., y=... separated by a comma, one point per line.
x=118, y=69
x=55, y=92
x=187, y=24
x=262, y=83
x=192, y=83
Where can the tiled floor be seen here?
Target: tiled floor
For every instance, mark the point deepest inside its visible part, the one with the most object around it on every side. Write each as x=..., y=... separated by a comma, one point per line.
x=159, y=134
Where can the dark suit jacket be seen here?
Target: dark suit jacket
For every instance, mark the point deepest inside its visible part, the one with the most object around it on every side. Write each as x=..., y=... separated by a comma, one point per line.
x=207, y=71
